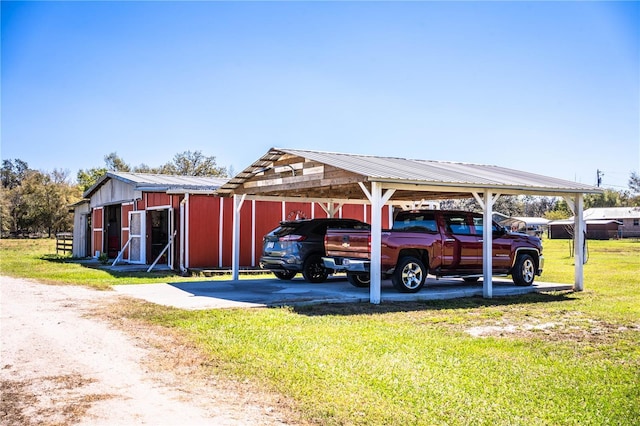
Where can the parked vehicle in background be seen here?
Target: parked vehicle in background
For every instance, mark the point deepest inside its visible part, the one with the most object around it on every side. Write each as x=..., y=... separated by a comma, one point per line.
x=443, y=243
x=298, y=246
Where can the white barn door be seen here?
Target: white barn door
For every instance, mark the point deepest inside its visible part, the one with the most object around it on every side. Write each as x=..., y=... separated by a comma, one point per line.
x=172, y=234
x=137, y=231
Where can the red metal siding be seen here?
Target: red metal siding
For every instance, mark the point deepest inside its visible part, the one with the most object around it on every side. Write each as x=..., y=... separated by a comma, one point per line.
x=206, y=235
x=126, y=208
x=125, y=238
x=96, y=223
x=293, y=211
x=268, y=216
x=245, y=234
x=204, y=212
x=318, y=212
x=353, y=211
x=227, y=232
x=156, y=199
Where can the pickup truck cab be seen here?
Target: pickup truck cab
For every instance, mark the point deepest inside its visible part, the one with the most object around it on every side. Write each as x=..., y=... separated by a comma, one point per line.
x=443, y=243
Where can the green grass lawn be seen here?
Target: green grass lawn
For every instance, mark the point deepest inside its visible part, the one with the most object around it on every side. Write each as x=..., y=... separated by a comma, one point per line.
x=538, y=359
x=36, y=259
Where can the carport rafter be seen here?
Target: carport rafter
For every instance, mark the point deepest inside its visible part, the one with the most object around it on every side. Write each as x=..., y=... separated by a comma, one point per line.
x=303, y=175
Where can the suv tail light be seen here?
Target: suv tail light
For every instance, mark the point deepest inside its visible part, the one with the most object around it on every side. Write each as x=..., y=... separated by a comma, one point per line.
x=292, y=237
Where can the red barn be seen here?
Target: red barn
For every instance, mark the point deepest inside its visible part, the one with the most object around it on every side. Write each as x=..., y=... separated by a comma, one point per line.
x=180, y=221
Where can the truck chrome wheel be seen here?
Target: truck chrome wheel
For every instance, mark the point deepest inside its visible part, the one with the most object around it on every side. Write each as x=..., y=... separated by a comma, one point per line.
x=524, y=271
x=410, y=275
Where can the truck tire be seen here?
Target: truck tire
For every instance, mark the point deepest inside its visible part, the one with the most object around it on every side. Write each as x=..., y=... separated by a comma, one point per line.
x=359, y=280
x=285, y=275
x=314, y=270
x=524, y=270
x=409, y=275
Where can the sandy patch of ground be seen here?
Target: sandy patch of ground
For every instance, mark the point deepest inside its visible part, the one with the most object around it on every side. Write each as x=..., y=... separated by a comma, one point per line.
x=61, y=364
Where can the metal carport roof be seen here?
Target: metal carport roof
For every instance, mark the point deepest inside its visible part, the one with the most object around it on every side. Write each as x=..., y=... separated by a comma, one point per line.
x=332, y=177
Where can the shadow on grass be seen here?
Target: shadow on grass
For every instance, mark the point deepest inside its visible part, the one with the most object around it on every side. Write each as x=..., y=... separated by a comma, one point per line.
x=435, y=305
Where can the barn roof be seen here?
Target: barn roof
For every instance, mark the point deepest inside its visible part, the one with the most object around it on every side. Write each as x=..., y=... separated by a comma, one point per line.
x=319, y=174
x=159, y=183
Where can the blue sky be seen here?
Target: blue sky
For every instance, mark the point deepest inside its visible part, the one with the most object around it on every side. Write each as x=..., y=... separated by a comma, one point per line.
x=547, y=87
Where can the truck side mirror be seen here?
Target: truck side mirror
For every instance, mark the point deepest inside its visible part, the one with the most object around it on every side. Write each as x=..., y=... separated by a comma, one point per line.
x=499, y=231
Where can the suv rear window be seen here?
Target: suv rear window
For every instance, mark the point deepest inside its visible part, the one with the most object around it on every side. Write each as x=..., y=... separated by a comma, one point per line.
x=284, y=230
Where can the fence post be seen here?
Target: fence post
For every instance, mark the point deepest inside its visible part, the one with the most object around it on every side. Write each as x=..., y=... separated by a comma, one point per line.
x=64, y=242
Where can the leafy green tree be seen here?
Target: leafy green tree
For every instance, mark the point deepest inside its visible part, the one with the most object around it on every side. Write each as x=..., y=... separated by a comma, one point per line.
x=87, y=178
x=194, y=163
x=608, y=198
x=6, y=224
x=634, y=183
x=559, y=211
x=143, y=168
x=113, y=163
x=12, y=173
x=46, y=197
x=188, y=163
x=535, y=206
x=13, y=209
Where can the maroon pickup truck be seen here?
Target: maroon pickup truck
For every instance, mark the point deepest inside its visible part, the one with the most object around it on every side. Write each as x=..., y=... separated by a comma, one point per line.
x=439, y=242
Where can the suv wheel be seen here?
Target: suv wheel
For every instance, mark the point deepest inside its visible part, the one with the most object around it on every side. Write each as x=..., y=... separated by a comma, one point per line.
x=410, y=275
x=314, y=270
x=285, y=275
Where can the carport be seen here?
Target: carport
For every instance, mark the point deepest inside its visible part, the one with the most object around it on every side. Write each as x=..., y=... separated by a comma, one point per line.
x=333, y=179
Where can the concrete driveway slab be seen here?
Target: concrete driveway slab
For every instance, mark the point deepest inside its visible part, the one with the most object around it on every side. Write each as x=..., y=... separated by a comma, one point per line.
x=250, y=293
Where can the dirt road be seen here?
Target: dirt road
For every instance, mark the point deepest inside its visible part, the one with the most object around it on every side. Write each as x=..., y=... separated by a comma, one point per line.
x=61, y=364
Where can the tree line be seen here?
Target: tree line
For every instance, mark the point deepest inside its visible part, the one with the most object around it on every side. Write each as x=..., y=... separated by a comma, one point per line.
x=35, y=202
x=39, y=202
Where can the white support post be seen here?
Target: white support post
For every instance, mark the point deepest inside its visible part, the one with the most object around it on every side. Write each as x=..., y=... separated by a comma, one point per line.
x=579, y=230
x=183, y=233
x=487, y=241
x=378, y=200
x=253, y=233
x=578, y=243
x=376, y=242
x=235, y=260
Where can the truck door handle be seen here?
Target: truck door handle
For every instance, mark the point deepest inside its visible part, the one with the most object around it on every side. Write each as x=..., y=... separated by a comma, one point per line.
x=450, y=240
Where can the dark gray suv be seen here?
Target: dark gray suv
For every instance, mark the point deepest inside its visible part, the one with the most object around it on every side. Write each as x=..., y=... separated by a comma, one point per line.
x=298, y=246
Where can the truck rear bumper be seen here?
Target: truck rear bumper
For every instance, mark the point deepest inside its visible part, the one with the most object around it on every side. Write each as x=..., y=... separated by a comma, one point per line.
x=346, y=264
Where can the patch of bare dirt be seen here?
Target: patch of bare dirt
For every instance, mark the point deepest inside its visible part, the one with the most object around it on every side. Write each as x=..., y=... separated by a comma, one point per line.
x=69, y=358
x=55, y=400
x=585, y=331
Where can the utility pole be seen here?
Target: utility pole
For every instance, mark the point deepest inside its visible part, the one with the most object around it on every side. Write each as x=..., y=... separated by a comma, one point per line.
x=599, y=177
